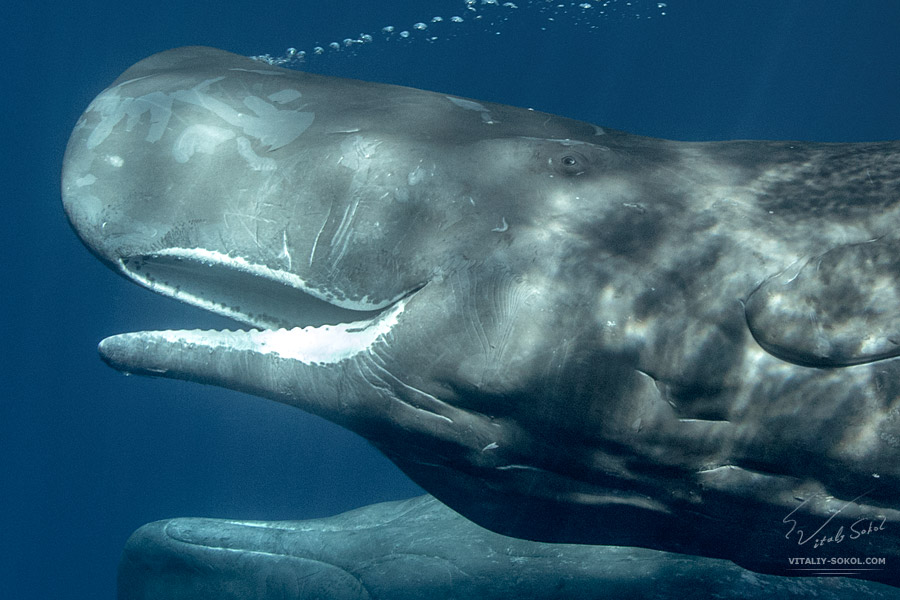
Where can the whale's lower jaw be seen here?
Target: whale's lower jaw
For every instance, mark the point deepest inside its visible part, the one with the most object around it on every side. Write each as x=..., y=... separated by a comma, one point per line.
x=325, y=344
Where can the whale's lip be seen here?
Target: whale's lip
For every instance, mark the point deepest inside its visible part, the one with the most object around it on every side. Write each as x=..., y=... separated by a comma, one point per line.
x=252, y=294
x=287, y=317
x=161, y=352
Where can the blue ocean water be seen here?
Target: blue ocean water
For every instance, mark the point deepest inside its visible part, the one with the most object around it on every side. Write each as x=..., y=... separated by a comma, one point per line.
x=88, y=455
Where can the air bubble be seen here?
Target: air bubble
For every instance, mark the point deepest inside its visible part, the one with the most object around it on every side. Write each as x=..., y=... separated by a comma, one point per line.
x=488, y=13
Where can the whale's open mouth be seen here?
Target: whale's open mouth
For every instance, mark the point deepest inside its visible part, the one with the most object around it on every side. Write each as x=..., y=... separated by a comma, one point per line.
x=251, y=294
x=289, y=318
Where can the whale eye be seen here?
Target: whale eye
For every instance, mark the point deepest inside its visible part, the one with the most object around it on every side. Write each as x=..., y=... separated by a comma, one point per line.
x=572, y=163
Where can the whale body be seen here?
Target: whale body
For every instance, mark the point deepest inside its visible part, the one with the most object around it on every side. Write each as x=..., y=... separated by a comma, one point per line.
x=419, y=548
x=566, y=333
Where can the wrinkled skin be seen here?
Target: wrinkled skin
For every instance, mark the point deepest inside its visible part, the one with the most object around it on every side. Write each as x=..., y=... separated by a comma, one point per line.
x=419, y=548
x=566, y=333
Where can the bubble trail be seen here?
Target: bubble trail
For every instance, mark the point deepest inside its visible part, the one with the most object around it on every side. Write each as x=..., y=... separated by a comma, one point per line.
x=488, y=13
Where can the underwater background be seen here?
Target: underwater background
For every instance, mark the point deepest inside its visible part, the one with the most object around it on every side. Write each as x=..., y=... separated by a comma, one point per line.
x=88, y=455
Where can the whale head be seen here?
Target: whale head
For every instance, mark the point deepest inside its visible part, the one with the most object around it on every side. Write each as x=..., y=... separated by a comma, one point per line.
x=565, y=332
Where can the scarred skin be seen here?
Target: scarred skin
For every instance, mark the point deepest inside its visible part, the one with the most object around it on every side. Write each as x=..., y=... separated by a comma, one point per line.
x=564, y=332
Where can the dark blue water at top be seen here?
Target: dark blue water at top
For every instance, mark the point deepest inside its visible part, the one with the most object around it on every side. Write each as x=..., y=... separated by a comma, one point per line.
x=87, y=455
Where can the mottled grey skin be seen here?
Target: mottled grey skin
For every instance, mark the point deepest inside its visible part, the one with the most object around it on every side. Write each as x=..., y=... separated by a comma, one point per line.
x=565, y=333
x=419, y=548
